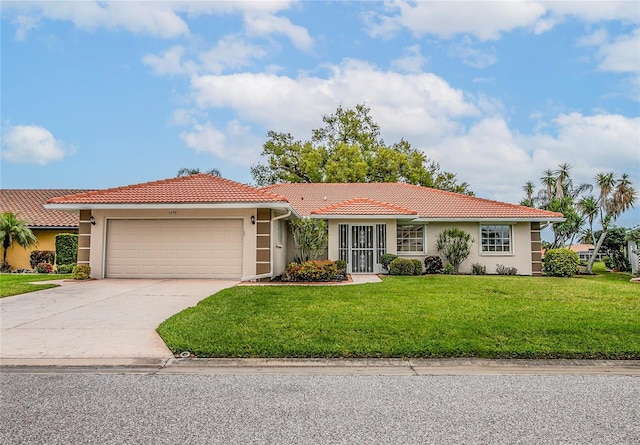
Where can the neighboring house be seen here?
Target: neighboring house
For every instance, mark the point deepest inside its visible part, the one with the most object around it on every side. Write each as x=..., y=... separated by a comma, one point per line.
x=585, y=251
x=44, y=223
x=203, y=226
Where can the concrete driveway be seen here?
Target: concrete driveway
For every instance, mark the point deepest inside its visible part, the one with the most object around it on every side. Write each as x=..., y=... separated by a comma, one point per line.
x=110, y=318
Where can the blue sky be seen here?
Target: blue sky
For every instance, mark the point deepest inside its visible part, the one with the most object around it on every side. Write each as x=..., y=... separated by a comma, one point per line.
x=102, y=94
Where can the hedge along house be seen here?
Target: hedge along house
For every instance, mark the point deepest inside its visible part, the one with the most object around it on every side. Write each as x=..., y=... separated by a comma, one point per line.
x=203, y=226
x=44, y=223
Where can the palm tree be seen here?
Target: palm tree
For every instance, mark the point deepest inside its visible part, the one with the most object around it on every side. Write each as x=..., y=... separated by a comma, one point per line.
x=196, y=171
x=14, y=230
x=616, y=196
x=528, y=188
x=588, y=207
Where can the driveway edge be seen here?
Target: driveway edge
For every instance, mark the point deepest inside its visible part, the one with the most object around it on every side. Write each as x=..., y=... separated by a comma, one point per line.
x=258, y=366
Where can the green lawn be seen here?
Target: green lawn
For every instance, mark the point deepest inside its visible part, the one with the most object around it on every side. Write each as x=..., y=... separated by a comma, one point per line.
x=425, y=316
x=15, y=284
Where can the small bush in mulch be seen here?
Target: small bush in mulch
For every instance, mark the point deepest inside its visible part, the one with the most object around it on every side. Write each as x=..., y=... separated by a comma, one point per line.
x=315, y=271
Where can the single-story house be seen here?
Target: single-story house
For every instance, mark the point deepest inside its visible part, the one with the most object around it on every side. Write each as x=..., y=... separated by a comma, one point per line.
x=45, y=223
x=202, y=226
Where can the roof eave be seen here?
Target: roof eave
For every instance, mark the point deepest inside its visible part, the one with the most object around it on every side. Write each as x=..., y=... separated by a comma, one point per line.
x=491, y=219
x=170, y=205
x=332, y=216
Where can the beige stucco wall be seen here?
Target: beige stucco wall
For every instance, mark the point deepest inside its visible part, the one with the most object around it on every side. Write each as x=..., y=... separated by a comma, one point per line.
x=98, y=231
x=18, y=257
x=520, y=258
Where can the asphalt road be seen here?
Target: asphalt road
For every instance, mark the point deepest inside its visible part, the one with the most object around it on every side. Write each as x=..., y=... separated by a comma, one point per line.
x=262, y=409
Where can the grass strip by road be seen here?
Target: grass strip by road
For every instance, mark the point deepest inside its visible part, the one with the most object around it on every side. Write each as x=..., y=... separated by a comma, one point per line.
x=15, y=284
x=425, y=316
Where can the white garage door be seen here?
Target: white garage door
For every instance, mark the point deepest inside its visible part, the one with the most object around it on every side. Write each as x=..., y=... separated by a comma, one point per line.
x=174, y=248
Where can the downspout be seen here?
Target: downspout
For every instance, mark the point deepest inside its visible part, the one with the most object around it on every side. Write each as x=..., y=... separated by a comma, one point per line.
x=270, y=273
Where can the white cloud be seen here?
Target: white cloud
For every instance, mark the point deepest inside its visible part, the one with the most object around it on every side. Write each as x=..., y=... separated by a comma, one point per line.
x=497, y=161
x=484, y=20
x=470, y=56
x=161, y=19
x=266, y=24
x=236, y=143
x=30, y=144
x=621, y=55
x=488, y=20
x=417, y=102
x=411, y=61
x=169, y=62
x=230, y=52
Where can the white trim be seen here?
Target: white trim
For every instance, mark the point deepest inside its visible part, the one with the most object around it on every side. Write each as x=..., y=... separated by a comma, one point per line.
x=486, y=220
x=366, y=217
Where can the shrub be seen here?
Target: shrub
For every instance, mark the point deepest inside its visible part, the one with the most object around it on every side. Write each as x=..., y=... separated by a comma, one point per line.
x=401, y=266
x=310, y=237
x=386, y=259
x=561, y=263
x=5, y=267
x=65, y=268
x=608, y=262
x=417, y=267
x=314, y=270
x=504, y=270
x=433, y=264
x=449, y=269
x=342, y=270
x=44, y=268
x=81, y=272
x=478, y=269
x=41, y=256
x=67, y=248
x=455, y=245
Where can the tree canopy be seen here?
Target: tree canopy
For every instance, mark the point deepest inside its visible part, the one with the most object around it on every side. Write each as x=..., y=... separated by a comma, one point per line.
x=349, y=149
x=185, y=171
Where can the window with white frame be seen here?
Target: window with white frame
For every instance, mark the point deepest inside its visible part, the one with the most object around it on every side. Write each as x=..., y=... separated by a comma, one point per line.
x=496, y=238
x=410, y=238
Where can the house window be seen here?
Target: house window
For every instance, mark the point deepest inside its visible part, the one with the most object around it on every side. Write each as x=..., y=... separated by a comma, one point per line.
x=410, y=238
x=496, y=238
x=343, y=242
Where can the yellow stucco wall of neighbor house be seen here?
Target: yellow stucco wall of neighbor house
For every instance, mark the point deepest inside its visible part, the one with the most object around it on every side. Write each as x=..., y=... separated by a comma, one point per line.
x=18, y=257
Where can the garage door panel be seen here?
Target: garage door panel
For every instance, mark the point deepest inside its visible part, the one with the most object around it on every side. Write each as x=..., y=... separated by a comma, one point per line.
x=197, y=248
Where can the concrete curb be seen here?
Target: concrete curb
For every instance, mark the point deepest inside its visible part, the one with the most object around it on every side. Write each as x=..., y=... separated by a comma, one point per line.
x=319, y=367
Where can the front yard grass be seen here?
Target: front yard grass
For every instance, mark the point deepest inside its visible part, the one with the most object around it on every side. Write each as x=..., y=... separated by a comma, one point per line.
x=15, y=284
x=424, y=316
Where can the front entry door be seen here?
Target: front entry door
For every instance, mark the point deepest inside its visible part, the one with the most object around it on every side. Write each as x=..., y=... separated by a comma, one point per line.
x=362, y=249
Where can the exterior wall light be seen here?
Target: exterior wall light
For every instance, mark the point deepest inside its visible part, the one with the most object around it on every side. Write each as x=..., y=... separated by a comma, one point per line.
x=92, y=220
x=253, y=219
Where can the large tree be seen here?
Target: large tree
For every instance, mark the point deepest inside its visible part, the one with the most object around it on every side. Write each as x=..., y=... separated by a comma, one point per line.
x=349, y=149
x=14, y=230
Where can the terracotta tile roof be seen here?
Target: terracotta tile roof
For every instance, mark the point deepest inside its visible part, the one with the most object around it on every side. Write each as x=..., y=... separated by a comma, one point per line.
x=28, y=204
x=201, y=188
x=363, y=206
x=427, y=202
